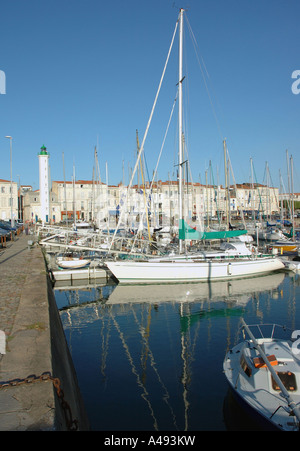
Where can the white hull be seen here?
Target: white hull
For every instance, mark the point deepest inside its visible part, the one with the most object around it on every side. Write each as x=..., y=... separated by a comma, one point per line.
x=73, y=264
x=291, y=265
x=253, y=385
x=180, y=271
x=271, y=235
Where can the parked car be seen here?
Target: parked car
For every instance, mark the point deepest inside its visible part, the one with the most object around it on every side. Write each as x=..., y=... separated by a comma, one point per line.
x=6, y=225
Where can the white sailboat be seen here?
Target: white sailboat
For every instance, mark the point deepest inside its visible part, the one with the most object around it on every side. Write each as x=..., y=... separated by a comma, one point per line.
x=196, y=268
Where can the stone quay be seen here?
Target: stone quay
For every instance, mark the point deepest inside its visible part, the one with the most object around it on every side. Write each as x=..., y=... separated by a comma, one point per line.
x=38, y=384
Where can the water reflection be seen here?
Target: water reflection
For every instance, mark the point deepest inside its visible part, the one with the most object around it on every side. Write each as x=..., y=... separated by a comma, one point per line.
x=150, y=357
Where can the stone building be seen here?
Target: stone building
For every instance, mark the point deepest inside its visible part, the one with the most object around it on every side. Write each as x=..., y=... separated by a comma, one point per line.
x=32, y=209
x=8, y=200
x=102, y=204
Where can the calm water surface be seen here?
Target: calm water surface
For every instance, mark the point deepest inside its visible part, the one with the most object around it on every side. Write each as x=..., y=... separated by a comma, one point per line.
x=150, y=357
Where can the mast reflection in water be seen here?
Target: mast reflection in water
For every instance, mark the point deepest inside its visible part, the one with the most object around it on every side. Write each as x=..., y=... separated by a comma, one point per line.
x=149, y=357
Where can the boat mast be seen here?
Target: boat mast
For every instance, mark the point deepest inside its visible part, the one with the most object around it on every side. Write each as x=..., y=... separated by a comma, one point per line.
x=227, y=204
x=289, y=185
x=180, y=150
x=65, y=191
x=292, y=197
x=74, y=199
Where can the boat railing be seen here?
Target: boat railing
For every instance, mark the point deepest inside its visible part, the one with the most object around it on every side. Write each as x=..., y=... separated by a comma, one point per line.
x=278, y=397
x=268, y=331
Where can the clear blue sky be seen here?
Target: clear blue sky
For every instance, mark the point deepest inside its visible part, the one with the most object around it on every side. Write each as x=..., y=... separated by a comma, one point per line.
x=82, y=72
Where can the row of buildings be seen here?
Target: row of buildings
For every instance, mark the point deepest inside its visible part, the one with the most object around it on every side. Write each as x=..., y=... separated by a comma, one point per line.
x=96, y=202
x=99, y=203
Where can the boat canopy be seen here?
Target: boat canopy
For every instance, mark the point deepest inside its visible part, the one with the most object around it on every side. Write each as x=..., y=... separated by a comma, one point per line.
x=186, y=232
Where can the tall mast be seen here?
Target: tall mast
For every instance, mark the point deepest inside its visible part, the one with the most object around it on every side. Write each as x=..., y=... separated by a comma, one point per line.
x=74, y=198
x=292, y=196
x=289, y=184
x=180, y=150
x=226, y=184
x=281, y=198
x=65, y=191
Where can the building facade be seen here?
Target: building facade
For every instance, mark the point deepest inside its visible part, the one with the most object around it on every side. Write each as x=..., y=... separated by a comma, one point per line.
x=82, y=199
x=8, y=200
x=102, y=204
x=32, y=208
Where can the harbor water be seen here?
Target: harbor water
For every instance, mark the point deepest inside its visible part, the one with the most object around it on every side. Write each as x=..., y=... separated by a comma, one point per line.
x=150, y=357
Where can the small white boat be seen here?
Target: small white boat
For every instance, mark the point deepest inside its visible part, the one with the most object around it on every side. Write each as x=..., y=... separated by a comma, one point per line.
x=271, y=234
x=83, y=226
x=71, y=262
x=264, y=376
x=292, y=265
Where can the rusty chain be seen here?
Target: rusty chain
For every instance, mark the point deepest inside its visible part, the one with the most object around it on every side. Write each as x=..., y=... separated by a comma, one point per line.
x=72, y=424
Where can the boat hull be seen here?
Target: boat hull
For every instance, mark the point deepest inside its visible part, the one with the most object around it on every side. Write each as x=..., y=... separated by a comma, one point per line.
x=253, y=386
x=73, y=264
x=262, y=422
x=179, y=271
x=286, y=246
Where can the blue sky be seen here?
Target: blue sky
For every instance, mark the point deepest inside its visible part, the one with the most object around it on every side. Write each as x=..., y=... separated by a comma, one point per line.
x=85, y=72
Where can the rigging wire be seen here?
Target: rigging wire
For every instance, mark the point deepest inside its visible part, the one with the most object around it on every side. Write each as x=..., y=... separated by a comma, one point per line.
x=203, y=69
x=146, y=132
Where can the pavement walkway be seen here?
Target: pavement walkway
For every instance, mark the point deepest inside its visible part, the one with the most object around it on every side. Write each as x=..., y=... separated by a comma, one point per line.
x=14, y=268
x=32, y=343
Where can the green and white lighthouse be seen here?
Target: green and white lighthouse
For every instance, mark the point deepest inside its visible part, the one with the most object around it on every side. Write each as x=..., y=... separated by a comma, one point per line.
x=44, y=184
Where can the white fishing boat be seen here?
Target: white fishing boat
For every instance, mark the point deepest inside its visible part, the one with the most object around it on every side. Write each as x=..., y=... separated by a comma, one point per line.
x=263, y=373
x=191, y=267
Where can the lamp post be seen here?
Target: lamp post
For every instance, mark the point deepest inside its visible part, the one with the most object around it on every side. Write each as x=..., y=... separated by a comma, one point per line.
x=11, y=196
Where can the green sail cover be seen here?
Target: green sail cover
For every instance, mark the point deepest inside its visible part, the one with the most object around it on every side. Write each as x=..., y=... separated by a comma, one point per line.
x=186, y=232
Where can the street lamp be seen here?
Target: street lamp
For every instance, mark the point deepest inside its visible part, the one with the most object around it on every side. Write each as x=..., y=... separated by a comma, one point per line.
x=11, y=196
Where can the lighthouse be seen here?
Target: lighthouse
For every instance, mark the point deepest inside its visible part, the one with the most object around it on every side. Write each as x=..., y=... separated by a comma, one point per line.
x=44, y=184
